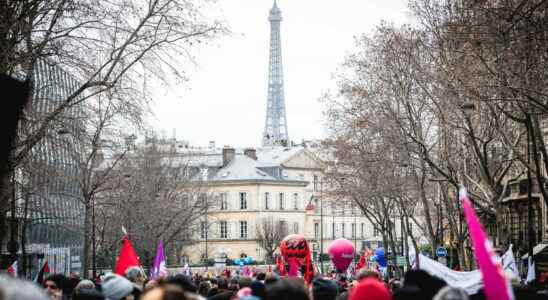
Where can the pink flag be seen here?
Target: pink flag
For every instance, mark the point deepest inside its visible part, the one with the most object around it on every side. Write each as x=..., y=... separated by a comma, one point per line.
x=496, y=286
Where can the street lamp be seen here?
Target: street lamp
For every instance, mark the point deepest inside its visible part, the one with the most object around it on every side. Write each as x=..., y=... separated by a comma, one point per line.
x=321, y=224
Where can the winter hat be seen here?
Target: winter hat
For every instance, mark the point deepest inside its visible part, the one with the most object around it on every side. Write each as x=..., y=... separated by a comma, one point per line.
x=324, y=289
x=370, y=289
x=84, y=284
x=116, y=287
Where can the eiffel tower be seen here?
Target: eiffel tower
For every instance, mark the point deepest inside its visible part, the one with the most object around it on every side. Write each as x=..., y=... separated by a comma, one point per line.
x=275, y=128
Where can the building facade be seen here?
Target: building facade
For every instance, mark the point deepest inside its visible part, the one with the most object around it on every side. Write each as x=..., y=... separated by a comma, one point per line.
x=273, y=183
x=53, y=209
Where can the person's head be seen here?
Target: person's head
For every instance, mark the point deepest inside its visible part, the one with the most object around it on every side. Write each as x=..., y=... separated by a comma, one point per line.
x=165, y=292
x=394, y=284
x=203, y=288
x=366, y=273
x=84, y=284
x=234, y=284
x=16, y=289
x=407, y=292
x=87, y=294
x=428, y=285
x=261, y=276
x=258, y=289
x=55, y=285
x=451, y=293
x=270, y=279
x=222, y=283
x=370, y=289
x=136, y=275
x=116, y=287
x=323, y=289
x=183, y=282
x=287, y=289
x=245, y=281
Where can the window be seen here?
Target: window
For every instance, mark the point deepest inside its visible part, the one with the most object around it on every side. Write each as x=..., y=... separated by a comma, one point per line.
x=281, y=199
x=316, y=206
x=266, y=200
x=376, y=231
x=243, y=229
x=343, y=229
x=316, y=230
x=243, y=200
x=363, y=230
x=315, y=182
x=333, y=230
x=295, y=201
x=224, y=229
x=203, y=230
x=295, y=227
x=224, y=201
x=353, y=230
x=283, y=225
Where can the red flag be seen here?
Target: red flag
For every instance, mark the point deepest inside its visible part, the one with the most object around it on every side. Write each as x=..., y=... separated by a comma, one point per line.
x=361, y=262
x=127, y=258
x=12, y=270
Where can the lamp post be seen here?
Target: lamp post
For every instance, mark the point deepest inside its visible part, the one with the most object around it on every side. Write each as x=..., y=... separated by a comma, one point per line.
x=530, y=232
x=321, y=224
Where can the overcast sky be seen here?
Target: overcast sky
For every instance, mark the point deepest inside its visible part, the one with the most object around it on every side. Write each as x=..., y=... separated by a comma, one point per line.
x=225, y=98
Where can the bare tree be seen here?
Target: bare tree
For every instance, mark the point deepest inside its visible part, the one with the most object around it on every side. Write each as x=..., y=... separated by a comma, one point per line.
x=115, y=47
x=155, y=196
x=270, y=232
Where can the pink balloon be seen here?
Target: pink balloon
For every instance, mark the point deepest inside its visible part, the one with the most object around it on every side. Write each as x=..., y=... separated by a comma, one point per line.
x=341, y=252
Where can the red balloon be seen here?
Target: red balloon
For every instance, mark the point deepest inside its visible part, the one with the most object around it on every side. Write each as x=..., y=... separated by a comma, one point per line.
x=294, y=246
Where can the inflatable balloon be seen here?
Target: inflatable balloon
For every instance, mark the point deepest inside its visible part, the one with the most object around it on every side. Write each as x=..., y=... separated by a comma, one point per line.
x=341, y=252
x=294, y=246
x=380, y=257
x=296, y=253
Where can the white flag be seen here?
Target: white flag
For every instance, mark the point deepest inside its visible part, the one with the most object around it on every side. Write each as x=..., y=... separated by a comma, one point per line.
x=509, y=264
x=530, y=271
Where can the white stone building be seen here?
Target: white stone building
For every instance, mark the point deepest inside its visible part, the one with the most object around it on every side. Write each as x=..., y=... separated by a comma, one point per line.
x=284, y=183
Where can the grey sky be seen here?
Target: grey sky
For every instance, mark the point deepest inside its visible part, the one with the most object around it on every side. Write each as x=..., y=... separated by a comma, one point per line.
x=225, y=98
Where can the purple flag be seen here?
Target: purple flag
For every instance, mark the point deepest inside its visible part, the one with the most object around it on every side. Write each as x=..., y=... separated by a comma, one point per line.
x=159, y=268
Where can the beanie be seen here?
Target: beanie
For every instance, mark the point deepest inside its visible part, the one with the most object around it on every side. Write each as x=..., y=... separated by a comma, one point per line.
x=370, y=289
x=116, y=287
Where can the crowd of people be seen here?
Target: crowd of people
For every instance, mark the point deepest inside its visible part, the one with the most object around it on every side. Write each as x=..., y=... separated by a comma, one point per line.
x=366, y=285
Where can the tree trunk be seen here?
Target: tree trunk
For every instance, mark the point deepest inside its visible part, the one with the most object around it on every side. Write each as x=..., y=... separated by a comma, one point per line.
x=87, y=225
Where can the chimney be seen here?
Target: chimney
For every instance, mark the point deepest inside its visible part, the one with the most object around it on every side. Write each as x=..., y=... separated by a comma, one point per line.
x=228, y=155
x=251, y=153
